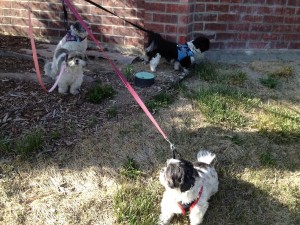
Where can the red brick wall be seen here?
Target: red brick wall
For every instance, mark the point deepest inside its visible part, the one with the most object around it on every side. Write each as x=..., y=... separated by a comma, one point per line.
x=231, y=24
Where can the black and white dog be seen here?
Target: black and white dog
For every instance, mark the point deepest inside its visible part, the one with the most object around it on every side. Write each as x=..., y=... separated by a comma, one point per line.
x=188, y=186
x=179, y=54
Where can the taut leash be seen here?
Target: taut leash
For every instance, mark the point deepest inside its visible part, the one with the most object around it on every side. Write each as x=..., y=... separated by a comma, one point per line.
x=122, y=77
x=106, y=10
x=66, y=21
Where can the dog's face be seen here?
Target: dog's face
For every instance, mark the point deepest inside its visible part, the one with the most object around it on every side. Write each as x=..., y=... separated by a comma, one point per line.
x=75, y=58
x=79, y=30
x=178, y=174
x=201, y=44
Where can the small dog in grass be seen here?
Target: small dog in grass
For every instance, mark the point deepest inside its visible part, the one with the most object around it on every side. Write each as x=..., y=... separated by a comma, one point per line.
x=72, y=76
x=182, y=55
x=188, y=187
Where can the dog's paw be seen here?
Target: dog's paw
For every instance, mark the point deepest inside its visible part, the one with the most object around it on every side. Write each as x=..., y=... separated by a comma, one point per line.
x=74, y=92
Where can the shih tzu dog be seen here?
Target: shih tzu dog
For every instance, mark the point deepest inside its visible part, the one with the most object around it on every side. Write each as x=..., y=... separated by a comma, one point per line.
x=188, y=186
x=75, y=39
x=72, y=76
x=182, y=55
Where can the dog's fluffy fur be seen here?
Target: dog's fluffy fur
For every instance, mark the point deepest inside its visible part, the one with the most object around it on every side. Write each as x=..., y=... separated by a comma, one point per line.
x=158, y=48
x=69, y=51
x=75, y=39
x=183, y=181
x=72, y=76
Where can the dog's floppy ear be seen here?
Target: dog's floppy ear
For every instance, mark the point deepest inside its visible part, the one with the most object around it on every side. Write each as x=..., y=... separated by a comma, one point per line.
x=181, y=175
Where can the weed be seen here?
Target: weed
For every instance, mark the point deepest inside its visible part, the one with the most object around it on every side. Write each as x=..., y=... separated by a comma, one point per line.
x=130, y=169
x=112, y=112
x=163, y=99
x=270, y=82
x=92, y=121
x=100, y=92
x=30, y=143
x=128, y=72
x=4, y=146
x=285, y=71
x=136, y=203
x=267, y=159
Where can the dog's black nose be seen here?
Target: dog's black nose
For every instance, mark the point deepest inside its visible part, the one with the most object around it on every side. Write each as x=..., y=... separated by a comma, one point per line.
x=77, y=62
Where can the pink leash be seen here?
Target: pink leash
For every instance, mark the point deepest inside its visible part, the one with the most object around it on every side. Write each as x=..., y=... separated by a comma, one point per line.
x=35, y=59
x=122, y=77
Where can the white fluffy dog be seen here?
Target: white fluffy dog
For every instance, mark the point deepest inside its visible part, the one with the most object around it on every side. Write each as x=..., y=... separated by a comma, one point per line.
x=75, y=39
x=188, y=186
x=72, y=76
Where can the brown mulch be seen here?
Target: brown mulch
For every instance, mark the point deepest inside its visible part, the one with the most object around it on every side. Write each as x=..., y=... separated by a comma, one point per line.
x=26, y=108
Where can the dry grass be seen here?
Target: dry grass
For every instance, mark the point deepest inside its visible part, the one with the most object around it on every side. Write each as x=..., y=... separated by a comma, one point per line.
x=259, y=175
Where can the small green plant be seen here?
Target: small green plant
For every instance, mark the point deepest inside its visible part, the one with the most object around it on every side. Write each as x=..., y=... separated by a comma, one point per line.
x=237, y=78
x=130, y=169
x=30, y=143
x=129, y=71
x=163, y=99
x=55, y=135
x=111, y=112
x=270, y=81
x=100, y=92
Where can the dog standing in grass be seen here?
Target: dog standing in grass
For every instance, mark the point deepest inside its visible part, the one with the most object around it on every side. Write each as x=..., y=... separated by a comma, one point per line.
x=188, y=187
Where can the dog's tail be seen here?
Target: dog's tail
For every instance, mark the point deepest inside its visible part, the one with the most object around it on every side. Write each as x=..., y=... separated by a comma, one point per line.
x=49, y=70
x=205, y=157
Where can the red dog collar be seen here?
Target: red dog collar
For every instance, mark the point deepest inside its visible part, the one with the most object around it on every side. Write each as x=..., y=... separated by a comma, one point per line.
x=188, y=207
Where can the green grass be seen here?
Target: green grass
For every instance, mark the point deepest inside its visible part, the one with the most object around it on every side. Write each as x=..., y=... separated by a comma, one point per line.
x=280, y=123
x=137, y=203
x=29, y=144
x=163, y=99
x=225, y=105
x=220, y=73
x=284, y=72
x=99, y=93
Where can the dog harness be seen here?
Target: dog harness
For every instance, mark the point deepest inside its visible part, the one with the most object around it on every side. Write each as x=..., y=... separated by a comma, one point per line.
x=71, y=37
x=189, y=206
x=183, y=51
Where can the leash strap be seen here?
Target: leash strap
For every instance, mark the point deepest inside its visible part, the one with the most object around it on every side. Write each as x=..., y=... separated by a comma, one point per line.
x=119, y=73
x=34, y=55
x=66, y=21
x=106, y=10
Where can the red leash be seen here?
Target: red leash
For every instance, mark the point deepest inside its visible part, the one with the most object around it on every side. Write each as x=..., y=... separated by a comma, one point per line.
x=122, y=77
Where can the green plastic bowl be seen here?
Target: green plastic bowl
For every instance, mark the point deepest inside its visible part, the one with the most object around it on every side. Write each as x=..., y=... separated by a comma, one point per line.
x=143, y=79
